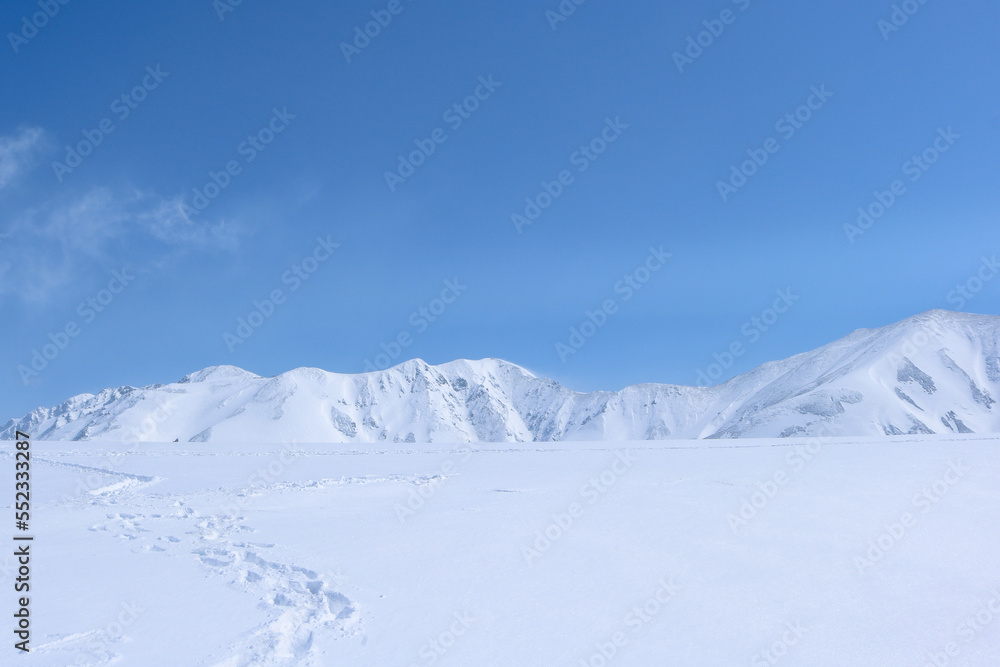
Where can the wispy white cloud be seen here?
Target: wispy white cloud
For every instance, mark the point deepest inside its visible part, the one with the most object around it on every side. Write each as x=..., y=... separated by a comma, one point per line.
x=19, y=152
x=52, y=246
x=48, y=248
x=167, y=222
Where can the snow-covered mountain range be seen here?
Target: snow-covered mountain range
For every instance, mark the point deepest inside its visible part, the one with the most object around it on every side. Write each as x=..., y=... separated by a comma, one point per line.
x=938, y=372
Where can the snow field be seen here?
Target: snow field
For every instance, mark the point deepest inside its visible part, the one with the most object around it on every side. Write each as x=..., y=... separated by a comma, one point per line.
x=188, y=554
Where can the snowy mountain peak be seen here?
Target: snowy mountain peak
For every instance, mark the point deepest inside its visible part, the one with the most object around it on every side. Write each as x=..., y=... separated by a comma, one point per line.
x=936, y=372
x=218, y=374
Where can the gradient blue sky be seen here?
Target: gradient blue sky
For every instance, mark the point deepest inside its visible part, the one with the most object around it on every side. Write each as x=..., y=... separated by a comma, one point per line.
x=323, y=176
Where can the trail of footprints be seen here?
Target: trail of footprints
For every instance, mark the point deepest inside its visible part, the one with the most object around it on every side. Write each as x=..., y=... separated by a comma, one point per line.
x=304, y=600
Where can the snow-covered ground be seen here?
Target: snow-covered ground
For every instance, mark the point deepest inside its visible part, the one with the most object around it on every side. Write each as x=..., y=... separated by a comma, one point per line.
x=882, y=551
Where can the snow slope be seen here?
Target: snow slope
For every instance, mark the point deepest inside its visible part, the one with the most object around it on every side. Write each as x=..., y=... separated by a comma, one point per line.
x=873, y=552
x=938, y=372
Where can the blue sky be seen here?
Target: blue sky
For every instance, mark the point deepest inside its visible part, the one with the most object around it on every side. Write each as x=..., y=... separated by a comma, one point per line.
x=302, y=130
